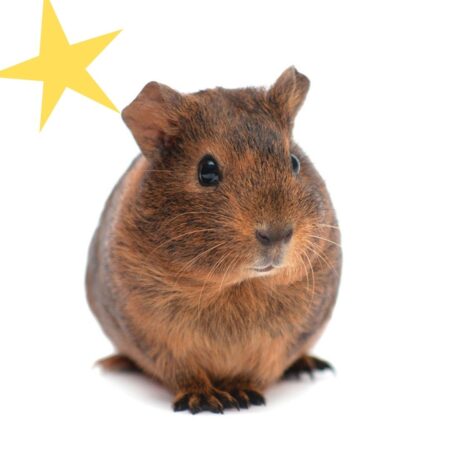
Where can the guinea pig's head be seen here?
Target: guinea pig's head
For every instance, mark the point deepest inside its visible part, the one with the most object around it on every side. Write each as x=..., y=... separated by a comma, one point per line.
x=227, y=195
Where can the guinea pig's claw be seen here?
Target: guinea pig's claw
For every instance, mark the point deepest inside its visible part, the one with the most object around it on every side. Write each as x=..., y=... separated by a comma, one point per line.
x=247, y=397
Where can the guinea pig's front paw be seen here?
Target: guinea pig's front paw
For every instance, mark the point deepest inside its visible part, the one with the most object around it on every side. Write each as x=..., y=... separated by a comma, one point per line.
x=306, y=364
x=209, y=399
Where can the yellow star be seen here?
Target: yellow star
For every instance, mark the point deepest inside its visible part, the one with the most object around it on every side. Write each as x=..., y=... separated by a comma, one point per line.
x=61, y=65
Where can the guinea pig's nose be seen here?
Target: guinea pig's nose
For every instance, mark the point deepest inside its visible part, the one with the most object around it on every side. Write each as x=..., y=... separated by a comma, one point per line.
x=274, y=235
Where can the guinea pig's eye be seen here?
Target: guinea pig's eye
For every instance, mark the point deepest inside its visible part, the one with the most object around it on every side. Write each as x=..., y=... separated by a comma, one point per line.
x=295, y=164
x=208, y=171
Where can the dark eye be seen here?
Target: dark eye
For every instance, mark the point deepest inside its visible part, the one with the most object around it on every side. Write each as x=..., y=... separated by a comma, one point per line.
x=295, y=164
x=208, y=171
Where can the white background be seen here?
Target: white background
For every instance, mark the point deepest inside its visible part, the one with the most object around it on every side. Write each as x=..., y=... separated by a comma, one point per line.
x=376, y=124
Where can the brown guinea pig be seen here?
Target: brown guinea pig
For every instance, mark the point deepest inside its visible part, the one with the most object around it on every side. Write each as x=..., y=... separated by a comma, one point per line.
x=216, y=263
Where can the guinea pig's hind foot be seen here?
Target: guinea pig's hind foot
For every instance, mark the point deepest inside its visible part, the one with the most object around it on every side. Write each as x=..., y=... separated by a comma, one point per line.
x=306, y=364
x=117, y=363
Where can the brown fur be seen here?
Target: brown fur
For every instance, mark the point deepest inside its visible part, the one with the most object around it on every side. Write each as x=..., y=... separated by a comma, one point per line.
x=169, y=268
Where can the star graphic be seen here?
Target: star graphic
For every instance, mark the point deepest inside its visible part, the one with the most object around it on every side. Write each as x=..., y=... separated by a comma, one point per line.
x=61, y=65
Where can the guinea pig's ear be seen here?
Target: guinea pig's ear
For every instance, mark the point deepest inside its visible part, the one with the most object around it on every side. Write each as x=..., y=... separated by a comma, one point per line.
x=288, y=94
x=152, y=116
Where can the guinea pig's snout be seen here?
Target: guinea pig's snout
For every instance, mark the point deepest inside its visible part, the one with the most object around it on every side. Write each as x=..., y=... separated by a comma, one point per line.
x=273, y=242
x=274, y=235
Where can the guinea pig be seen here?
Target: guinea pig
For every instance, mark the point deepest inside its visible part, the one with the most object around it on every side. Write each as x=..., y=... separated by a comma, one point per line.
x=217, y=260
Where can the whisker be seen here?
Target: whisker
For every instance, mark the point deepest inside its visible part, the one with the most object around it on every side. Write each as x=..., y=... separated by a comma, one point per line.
x=328, y=226
x=324, y=239
x=204, y=284
x=190, y=262
x=195, y=214
x=306, y=270
x=312, y=274
x=317, y=252
x=211, y=272
x=226, y=272
x=181, y=235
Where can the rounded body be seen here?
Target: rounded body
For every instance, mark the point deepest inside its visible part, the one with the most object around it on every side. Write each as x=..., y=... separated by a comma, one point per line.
x=216, y=263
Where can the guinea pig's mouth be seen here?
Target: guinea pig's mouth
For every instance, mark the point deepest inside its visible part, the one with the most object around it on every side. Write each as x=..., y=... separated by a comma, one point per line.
x=264, y=269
